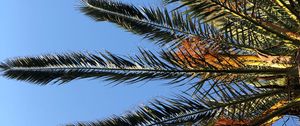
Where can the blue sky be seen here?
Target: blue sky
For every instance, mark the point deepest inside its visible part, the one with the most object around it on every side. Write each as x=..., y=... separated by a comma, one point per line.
x=34, y=27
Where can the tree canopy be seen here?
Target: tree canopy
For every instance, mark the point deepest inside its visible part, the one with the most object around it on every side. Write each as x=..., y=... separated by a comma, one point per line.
x=240, y=58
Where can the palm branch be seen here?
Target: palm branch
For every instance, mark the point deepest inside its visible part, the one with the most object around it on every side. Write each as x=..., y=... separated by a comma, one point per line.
x=195, y=111
x=146, y=66
x=153, y=24
x=240, y=57
x=259, y=24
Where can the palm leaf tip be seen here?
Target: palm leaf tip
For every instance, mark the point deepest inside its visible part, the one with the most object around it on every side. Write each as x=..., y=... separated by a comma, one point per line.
x=108, y=10
x=3, y=67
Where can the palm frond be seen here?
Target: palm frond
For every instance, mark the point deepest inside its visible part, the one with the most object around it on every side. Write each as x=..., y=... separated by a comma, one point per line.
x=187, y=111
x=156, y=111
x=263, y=19
x=290, y=7
x=146, y=66
x=155, y=24
x=280, y=111
x=165, y=28
x=63, y=68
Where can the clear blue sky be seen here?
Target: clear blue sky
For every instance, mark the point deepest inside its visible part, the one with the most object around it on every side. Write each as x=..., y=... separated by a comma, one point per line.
x=34, y=27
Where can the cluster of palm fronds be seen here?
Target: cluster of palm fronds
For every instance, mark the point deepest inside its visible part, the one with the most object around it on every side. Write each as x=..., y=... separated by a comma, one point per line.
x=240, y=58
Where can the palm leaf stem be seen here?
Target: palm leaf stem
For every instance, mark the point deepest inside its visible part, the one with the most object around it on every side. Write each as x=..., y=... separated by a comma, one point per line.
x=293, y=15
x=266, y=71
x=280, y=111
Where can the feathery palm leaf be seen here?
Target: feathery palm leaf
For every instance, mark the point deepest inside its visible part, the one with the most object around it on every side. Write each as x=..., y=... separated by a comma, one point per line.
x=153, y=24
x=258, y=24
x=187, y=111
x=147, y=66
x=157, y=111
x=67, y=67
x=239, y=55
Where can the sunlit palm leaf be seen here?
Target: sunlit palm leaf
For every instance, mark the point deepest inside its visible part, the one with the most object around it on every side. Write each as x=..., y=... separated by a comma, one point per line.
x=258, y=24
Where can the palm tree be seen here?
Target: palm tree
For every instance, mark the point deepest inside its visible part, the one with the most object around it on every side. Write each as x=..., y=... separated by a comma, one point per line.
x=241, y=58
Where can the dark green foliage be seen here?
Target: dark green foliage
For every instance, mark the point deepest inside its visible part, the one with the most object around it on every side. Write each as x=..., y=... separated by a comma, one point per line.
x=222, y=84
x=187, y=111
x=154, y=24
x=146, y=66
x=158, y=111
x=247, y=23
x=64, y=68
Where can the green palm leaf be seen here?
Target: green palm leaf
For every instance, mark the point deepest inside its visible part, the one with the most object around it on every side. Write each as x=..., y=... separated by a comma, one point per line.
x=64, y=68
x=209, y=43
x=258, y=24
x=187, y=111
x=153, y=24
x=67, y=67
x=158, y=110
